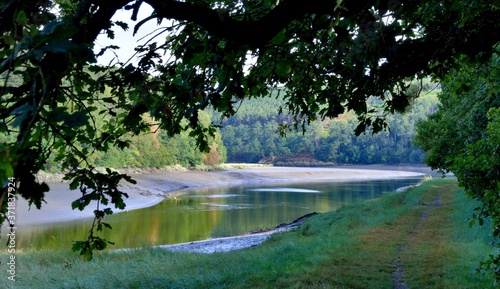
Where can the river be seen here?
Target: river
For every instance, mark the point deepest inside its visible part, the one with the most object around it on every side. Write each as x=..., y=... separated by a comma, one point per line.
x=199, y=214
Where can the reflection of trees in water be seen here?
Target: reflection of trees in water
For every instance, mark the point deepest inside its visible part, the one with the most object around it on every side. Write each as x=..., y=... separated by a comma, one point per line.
x=187, y=217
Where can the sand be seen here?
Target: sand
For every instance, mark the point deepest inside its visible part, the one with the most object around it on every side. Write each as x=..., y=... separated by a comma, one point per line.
x=152, y=188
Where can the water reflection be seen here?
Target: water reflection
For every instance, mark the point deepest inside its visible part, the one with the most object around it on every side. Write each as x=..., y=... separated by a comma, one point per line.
x=216, y=212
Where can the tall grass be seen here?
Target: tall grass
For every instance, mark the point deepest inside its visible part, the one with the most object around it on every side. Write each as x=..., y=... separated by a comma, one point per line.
x=354, y=247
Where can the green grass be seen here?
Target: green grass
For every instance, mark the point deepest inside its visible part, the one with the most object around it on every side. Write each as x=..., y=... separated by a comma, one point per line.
x=354, y=247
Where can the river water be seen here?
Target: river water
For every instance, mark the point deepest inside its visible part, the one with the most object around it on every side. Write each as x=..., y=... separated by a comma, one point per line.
x=213, y=212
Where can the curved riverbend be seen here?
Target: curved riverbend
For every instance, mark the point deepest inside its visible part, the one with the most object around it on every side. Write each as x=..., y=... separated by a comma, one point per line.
x=154, y=187
x=210, y=205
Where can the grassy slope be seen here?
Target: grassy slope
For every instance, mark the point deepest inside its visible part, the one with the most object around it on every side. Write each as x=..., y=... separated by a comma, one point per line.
x=422, y=231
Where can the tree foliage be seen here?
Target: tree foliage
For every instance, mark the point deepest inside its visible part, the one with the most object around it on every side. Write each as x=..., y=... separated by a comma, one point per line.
x=330, y=56
x=463, y=137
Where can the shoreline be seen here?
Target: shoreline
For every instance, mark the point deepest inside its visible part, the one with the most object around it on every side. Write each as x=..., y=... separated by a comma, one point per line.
x=152, y=188
x=227, y=244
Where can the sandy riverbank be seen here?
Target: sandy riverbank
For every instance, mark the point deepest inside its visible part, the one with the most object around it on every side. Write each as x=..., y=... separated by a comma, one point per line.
x=152, y=188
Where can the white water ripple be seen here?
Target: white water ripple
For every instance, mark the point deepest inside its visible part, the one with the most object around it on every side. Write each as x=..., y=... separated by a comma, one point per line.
x=285, y=190
x=215, y=196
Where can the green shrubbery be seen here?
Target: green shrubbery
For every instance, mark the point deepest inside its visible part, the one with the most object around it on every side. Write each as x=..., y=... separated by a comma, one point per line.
x=463, y=137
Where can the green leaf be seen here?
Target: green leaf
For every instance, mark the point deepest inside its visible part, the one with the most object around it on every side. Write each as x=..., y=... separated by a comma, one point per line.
x=280, y=37
x=73, y=185
x=84, y=248
x=99, y=243
x=77, y=204
x=87, y=255
x=283, y=69
x=108, y=211
x=58, y=29
x=22, y=18
x=78, y=245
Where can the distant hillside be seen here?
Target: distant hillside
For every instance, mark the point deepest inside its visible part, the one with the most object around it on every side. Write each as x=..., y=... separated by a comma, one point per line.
x=251, y=136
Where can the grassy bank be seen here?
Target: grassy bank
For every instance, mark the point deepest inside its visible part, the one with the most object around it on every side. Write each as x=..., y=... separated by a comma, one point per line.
x=418, y=238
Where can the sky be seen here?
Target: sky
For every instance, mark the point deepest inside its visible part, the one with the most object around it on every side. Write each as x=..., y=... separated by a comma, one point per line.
x=125, y=39
x=127, y=42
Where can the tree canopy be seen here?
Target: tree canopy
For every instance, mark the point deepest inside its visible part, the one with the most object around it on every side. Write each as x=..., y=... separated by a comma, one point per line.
x=463, y=137
x=329, y=57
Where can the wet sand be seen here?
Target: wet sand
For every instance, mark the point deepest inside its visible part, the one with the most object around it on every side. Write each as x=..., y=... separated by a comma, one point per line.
x=152, y=188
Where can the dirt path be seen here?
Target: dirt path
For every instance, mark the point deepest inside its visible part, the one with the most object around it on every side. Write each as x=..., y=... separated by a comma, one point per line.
x=399, y=271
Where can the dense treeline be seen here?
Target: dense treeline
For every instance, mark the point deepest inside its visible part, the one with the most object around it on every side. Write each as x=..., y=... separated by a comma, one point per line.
x=157, y=149
x=251, y=135
x=149, y=150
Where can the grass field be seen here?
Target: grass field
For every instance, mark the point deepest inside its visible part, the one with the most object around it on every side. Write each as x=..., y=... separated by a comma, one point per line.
x=413, y=239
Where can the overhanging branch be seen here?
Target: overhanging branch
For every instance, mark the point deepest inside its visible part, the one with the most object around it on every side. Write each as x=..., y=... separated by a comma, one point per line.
x=254, y=33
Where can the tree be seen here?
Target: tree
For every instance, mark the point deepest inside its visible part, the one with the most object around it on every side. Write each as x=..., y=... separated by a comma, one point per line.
x=330, y=56
x=463, y=137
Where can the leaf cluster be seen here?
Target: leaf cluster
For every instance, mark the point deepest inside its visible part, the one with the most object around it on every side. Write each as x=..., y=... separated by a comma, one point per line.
x=463, y=137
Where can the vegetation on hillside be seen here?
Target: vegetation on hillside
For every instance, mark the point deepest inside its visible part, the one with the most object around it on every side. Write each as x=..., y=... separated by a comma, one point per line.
x=156, y=149
x=253, y=134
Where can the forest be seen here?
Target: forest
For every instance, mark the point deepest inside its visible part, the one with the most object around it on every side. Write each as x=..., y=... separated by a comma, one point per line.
x=253, y=135
x=259, y=133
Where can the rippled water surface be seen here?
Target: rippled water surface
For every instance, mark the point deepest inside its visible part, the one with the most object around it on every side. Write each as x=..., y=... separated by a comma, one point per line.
x=216, y=212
